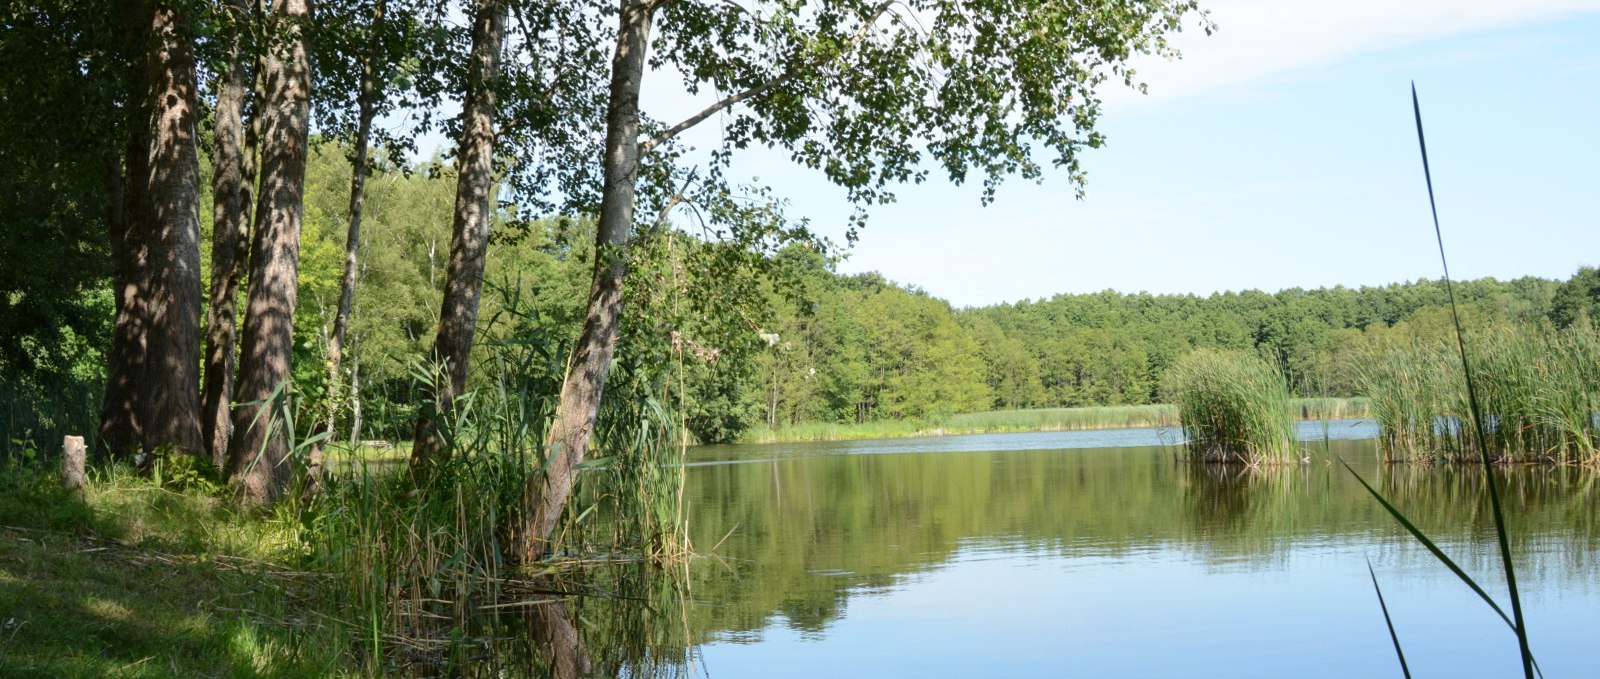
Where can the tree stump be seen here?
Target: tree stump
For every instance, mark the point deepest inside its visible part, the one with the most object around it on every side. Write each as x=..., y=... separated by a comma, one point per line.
x=73, y=453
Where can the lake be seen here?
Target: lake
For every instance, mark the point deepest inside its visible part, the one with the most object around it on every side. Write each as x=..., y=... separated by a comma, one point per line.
x=1100, y=553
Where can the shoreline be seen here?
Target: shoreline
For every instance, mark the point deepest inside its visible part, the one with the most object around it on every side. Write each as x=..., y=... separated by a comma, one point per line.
x=1093, y=418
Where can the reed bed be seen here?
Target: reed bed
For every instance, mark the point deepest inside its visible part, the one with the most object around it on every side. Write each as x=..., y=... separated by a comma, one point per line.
x=425, y=560
x=1538, y=391
x=1234, y=407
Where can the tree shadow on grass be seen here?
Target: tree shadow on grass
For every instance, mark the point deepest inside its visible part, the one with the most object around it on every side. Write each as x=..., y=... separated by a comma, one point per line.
x=77, y=599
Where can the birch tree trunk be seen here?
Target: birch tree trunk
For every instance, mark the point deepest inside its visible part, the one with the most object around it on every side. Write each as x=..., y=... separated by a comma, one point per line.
x=367, y=103
x=568, y=441
x=172, y=359
x=232, y=186
x=469, y=241
x=257, y=450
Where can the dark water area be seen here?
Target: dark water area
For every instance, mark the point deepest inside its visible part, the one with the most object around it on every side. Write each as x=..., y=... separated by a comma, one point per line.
x=1101, y=553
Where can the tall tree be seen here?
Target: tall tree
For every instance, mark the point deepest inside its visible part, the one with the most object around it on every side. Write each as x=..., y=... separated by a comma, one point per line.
x=469, y=241
x=121, y=419
x=862, y=91
x=153, y=372
x=172, y=360
x=232, y=187
x=257, y=451
x=367, y=109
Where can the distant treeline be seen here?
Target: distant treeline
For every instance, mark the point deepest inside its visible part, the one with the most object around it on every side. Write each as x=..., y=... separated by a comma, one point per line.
x=863, y=348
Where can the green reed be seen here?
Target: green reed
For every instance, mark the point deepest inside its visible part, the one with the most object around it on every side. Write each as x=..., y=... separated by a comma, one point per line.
x=424, y=559
x=1234, y=406
x=1506, y=390
x=1538, y=392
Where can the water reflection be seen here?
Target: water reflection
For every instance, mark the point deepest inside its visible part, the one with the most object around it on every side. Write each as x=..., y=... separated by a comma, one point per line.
x=843, y=560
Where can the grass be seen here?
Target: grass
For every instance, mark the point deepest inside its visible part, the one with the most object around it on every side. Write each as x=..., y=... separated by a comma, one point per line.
x=144, y=581
x=1235, y=407
x=1034, y=419
x=381, y=574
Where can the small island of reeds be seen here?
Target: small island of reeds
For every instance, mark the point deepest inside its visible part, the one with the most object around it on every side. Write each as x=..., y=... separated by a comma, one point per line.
x=1234, y=408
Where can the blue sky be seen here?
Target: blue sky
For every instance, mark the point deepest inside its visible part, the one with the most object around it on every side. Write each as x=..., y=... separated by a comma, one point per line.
x=1281, y=152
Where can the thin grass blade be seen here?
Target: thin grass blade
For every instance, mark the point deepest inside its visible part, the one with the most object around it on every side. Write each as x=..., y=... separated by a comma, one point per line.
x=1520, y=626
x=1405, y=670
x=1432, y=548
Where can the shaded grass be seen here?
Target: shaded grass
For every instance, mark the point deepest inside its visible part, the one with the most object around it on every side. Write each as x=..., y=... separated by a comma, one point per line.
x=1033, y=419
x=144, y=581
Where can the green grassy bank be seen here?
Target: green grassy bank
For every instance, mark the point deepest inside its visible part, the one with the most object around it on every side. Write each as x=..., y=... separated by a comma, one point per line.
x=1040, y=419
x=138, y=580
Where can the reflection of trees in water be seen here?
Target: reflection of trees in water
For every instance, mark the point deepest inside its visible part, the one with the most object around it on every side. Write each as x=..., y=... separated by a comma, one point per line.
x=1551, y=519
x=609, y=620
x=807, y=534
x=857, y=524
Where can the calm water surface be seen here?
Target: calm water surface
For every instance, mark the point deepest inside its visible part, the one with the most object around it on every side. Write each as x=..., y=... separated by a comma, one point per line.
x=1097, y=553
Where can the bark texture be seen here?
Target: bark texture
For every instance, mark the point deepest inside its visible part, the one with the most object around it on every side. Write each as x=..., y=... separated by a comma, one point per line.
x=368, y=106
x=469, y=241
x=568, y=441
x=257, y=451
x=121, y=434
x=231, y=188
x=172, y=358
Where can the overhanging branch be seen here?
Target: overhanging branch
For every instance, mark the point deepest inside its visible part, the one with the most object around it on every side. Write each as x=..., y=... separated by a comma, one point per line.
x=733, y=100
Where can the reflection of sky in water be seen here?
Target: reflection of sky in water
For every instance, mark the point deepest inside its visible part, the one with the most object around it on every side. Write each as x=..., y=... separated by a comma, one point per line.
x=1164, y=613
x=1229, y=588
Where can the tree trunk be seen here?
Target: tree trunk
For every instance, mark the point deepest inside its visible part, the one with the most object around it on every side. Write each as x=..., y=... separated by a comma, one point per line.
x=469, y=241
x=231, y=188
x=121, y=434
x=172, y=360
x=367, y=102
x=556, y=634
x=568, y=441
x=257, y=450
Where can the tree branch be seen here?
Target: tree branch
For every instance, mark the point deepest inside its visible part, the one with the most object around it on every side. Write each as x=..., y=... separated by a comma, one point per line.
x=733, y=100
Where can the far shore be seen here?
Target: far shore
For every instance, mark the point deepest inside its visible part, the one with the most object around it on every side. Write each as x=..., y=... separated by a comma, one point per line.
x=1029, y=420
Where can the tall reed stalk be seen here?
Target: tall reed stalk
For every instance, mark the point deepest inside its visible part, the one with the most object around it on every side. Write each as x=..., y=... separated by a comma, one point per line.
x=1481, y=424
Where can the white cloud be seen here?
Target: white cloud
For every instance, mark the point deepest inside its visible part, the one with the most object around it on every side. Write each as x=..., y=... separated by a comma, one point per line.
x=1261, y=40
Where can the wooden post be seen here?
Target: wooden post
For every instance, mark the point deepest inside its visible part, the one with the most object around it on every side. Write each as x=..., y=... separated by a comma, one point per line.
x=72, y=456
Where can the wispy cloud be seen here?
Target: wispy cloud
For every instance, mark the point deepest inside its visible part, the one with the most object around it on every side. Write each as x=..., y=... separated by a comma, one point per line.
x=1267, y=40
